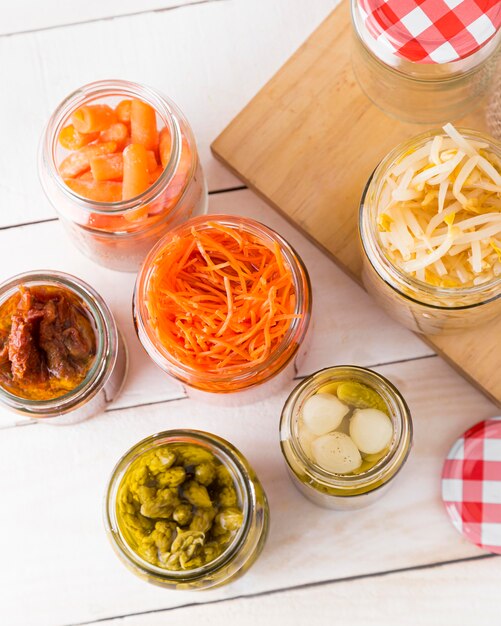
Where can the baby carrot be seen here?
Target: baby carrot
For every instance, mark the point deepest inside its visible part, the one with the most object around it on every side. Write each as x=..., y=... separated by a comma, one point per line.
x=164, y=146
x=107, y=167
x=93, y=118
x=116, y=132
x=155, y=173
x=135, y=171
x=78, y=162
x=86, y=176
x=71, y=139
x=143, y=125
x=123, y=111
x=100, y=191
x=152, y=161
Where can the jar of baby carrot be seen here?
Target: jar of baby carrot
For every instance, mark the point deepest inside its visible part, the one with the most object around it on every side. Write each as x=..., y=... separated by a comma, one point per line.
x=119, y=163
x=223, y=303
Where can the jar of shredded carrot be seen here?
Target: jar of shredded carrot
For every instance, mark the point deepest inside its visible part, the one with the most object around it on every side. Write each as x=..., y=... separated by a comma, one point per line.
x=430, y=228
x=119, y=163
x=222, y=303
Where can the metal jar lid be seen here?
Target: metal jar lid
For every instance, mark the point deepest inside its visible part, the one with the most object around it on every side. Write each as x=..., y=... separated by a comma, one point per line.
x=431, y=31
x=471, y=484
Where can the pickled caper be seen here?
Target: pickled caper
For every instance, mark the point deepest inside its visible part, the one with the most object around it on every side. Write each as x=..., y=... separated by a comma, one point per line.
x=205, y=473
x=202, y=519
x=227, y=496
x=229, y=519
x=196, y=494
x=172, y=477
x=183, y=514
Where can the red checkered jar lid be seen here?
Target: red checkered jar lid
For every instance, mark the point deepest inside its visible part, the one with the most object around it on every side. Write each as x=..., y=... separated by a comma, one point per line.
x=431, y=31
x=471, y=484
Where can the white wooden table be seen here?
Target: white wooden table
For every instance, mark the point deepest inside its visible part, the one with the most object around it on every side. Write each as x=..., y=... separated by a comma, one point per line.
x=397, y=562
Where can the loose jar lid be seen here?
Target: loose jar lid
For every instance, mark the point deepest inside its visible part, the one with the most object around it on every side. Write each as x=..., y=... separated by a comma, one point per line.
x=471, y=484
x=432, y=31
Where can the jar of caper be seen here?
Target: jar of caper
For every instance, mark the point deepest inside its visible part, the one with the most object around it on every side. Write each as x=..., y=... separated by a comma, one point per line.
x=345, y=433
x=185, y=510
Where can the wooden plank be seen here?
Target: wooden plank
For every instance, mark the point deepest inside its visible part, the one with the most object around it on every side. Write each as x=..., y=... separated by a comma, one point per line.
x=180, y=53
x=342, y=332
x=308, y=142
x=438, y=595
x=55, y=552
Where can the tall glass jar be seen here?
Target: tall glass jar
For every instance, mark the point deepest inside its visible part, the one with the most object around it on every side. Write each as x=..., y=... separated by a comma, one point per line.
x=226, y=380
x=421, y=307
x=425, y=63
x=119, y=234
x=105, y=379
x=238, y=556
x=350, y=491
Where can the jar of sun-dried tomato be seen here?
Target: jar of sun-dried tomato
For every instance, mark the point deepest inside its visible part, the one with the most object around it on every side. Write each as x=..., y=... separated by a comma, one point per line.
x=62, y=359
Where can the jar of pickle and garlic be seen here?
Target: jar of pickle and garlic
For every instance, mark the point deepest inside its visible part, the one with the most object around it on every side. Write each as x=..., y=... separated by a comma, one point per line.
x=345, y=433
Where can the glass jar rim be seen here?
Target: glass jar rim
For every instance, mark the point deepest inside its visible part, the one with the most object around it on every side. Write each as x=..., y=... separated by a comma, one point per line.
x=369, y=234
x=106, y=335
x=103, y=89
x=302, y=287
x=387, y=467
x=227, y=454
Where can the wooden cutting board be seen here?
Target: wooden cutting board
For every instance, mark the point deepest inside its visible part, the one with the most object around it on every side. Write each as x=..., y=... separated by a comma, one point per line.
x=308, y=142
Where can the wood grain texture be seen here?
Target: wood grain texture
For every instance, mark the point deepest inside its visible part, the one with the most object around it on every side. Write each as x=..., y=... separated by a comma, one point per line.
x=57, y=478
x=308, y=142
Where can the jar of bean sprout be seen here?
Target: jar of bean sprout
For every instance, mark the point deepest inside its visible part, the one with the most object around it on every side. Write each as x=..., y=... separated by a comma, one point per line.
x=430, y=229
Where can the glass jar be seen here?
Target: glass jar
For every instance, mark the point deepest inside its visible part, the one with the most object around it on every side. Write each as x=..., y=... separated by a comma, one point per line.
x=238, y=556
x=420, y=306
x=111, y=233
x=425, y=90
x=105, y=379
x=225, y=380
x=350, y=491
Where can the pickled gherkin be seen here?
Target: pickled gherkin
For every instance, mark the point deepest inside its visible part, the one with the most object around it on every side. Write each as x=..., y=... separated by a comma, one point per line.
x=361, y=396
x=178, y=506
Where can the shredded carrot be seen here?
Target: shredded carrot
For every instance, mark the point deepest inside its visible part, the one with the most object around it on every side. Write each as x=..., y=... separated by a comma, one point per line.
x=220, y=299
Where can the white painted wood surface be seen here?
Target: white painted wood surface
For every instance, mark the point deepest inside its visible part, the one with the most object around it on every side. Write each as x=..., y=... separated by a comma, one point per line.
x=209, y=58
x=419, y=597
x=56, y=567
